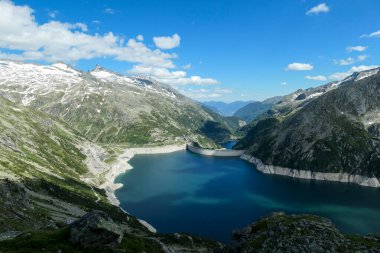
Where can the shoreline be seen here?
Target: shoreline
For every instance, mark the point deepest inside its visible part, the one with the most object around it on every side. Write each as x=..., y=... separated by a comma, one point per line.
x=305, y=174
x=121, y=165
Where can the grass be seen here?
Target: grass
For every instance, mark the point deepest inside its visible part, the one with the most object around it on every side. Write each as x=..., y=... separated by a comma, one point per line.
x=58, y=241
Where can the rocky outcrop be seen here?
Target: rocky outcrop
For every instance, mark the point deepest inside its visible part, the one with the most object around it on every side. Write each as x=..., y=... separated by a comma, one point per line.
x=308, y=174
x=298, y=233
x=96, y=230
x=17, y=211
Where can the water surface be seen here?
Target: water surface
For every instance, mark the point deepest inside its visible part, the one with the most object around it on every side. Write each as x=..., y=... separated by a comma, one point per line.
x=211, y=196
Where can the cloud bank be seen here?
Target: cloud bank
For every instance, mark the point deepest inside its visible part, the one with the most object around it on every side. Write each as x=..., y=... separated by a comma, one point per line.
x=23, y=38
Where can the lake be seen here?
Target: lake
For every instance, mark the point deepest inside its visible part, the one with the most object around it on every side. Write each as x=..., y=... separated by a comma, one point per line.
x=211, y=196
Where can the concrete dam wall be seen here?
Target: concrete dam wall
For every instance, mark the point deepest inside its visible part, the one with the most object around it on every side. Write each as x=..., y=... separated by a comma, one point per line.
x=211, y=152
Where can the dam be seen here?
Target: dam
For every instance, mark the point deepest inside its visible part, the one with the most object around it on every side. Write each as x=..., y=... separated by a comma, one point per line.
x=212, y=152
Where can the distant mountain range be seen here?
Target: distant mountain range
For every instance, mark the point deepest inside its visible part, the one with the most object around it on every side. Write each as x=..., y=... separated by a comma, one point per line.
x=331, y=132
x=244, y=110
x=108, y=107
x=250, y=111
x=226, y=109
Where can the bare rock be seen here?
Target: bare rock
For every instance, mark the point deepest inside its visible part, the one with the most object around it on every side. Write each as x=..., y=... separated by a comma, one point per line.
x=96, y=230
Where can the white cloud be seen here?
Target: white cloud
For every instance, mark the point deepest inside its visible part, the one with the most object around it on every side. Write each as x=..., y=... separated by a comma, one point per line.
x=156, y=72
x=167, y=42
x=82, y=27
x=316, y=78
x=109, y=11
x=371, y=35
x=297, y=66
x=53, y=13
x=224, y=91
x=350, y=60
x=362, y=57
x=342, y=75
x=356, y=48
x=203, y=96
x=204, y=93
x=283, y=83
x=187, y=66
x=344, y=62
x=320, y=8
x=68, y=42
x=171, y=77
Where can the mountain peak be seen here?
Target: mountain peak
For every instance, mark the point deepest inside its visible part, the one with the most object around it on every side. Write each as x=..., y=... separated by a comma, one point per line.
x=63, y=66
x=98, y=68
x=101, y=72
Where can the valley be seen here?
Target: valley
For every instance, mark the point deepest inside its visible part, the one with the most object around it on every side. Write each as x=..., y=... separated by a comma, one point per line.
x=189, y=126
x=84, y=143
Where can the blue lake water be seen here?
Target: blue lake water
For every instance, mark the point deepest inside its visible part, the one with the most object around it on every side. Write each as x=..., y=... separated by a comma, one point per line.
x=211, y=196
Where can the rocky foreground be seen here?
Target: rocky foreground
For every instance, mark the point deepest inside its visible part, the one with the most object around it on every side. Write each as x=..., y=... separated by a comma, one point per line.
x=98, y=232
x=298, y=233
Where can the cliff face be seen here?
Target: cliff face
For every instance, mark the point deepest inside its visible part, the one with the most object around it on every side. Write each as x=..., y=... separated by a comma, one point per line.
x=337, y=132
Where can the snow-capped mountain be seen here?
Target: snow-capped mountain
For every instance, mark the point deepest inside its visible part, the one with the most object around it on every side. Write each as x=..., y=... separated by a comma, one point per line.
x=106, y=106
x=298, y=99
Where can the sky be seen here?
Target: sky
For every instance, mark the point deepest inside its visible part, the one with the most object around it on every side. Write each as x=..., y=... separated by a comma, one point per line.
x=223, y=50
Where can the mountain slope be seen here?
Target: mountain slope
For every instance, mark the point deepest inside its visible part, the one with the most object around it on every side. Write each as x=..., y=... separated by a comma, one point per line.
x=42, y=170
x=107, y=107
x=336, y=132
x=49, y=178
x=254, y=109
x=225, y=109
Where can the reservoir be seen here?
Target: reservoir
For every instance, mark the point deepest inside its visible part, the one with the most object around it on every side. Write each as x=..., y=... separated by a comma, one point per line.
x=211, y=196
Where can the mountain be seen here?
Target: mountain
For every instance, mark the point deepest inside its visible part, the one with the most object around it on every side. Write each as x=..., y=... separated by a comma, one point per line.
x=43, y=170
x=331, y=132
x=53, y=179
x=50, y=176
x=250, y=111
x=282, y=103
x=225, y=109
x=107, y=107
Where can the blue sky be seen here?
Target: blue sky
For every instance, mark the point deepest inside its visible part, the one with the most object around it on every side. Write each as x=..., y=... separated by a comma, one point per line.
x=209, y=50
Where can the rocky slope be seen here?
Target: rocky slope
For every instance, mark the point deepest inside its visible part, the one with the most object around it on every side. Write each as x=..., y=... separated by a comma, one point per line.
x=51, y=176
x=336, y=132
x=298, y=233
x=43, y=171
x=108, y=107
x=98, y=232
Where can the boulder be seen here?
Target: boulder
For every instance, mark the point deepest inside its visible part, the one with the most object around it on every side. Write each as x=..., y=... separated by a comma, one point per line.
x=95, y=229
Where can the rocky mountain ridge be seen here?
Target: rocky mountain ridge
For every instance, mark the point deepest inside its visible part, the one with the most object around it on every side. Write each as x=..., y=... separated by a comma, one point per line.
x=108, y=107
x=335, y=132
